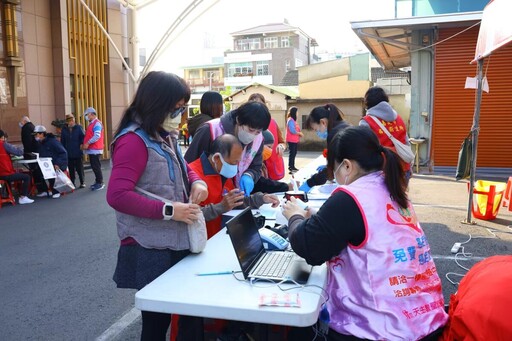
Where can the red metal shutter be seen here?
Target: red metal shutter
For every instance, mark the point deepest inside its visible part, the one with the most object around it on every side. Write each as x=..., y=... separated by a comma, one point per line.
x=454, y=106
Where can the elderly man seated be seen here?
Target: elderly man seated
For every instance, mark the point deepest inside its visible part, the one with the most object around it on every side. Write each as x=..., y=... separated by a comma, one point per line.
x=217, y=170
x=7, y=171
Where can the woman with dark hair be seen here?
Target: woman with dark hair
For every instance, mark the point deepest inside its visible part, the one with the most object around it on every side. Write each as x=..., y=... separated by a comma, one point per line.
x=326, y=121
x=246, y=123
x=210, y=107
x=146, y=159
x=383, y=283
x=293, y=135
x=377, y=105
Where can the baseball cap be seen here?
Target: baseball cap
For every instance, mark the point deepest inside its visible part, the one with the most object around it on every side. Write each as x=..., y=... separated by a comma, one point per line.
x=268, y=138
x=39, y=129
x=89, y=111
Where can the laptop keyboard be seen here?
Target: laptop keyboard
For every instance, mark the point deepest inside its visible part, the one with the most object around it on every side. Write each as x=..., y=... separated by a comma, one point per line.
x=274, y=264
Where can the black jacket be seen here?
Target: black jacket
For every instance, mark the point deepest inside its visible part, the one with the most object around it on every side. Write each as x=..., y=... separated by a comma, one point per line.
x=50, y=147
x=30, y=144
x=71, y=139
x=197, y=121
x=321, y=177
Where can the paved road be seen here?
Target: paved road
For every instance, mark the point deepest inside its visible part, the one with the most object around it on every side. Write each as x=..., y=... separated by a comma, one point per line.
x=57, y=257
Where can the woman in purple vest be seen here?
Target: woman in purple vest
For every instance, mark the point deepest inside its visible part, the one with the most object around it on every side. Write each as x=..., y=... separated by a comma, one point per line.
x=383, y=283
x=246, y=122
x=146, y=165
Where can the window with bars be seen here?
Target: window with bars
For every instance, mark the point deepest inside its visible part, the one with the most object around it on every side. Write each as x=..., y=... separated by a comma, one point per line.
x=240, y=69
x=262, y=68
x=248, y=44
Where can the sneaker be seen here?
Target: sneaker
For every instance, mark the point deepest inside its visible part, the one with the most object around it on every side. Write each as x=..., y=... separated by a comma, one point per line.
x=56, y=196
x=97, y=187
x=42, y=194
x=25, y=200
x=82, y=185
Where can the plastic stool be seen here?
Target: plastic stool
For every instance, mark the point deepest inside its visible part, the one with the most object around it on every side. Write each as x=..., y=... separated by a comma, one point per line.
x=10, y=198
x=508, y=194
x=487, y=197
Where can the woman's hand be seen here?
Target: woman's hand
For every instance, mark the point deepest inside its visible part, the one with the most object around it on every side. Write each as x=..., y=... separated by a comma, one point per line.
x=198, y=192
x=291, y=208
x=271, y=199
x=301, y=134
x=187, y=213
x=280, y=149
x=232, y=199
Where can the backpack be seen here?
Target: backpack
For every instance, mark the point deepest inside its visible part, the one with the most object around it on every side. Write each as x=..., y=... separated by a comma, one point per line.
x=480, y=309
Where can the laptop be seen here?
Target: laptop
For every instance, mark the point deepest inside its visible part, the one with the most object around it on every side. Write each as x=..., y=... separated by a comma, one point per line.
x=258, y=263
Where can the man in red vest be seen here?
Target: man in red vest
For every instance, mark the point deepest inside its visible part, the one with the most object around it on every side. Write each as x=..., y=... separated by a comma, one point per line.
x=93, y=146
x=7, y=171
x=217, y=170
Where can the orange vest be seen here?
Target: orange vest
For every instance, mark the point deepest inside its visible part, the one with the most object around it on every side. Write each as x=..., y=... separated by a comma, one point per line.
x=6, y=167
x=215, y=193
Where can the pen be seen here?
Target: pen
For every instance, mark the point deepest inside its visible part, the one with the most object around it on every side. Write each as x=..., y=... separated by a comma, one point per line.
x=215, y=273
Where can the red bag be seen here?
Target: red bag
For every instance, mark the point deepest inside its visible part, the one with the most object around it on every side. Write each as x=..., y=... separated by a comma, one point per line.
x=480, y=310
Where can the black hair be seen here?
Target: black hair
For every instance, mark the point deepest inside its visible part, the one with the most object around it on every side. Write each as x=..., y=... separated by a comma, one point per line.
x=224, y=144
x=328, y=111
x=156, y=96
x=360, y=144
x=292, y=112
x=374, y=96
x=252, y=114
x=211, y=104
x=2, y=133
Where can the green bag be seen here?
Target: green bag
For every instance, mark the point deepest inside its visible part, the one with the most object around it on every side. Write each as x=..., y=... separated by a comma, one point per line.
x=464, y=162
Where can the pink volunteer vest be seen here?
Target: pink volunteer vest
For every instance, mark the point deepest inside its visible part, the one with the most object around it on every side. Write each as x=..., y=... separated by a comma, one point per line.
x=293, y=138
x=387, y=287
x=216, y=129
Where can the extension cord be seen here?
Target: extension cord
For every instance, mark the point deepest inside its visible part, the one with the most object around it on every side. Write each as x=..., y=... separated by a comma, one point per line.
x=456, y=247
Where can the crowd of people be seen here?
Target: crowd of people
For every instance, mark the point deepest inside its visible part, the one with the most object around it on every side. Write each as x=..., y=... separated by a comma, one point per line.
x=226, y=167
x=65, y=151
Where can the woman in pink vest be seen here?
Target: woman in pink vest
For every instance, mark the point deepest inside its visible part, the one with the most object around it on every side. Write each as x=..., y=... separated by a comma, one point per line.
x=382, y=280
x=293, y=135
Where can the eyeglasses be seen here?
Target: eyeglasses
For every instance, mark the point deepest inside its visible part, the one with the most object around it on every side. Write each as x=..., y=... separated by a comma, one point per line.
x=178, y=112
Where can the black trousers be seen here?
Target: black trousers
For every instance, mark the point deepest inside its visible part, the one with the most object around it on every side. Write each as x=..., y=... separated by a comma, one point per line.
x=23, y=177
x=78, y=166
x=293, y=152
x=96, y=167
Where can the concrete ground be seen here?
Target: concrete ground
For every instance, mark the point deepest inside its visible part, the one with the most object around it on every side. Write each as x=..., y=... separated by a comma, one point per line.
x=57, y=258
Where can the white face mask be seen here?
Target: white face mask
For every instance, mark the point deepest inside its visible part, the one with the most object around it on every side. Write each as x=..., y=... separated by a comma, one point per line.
x=244, y=136
x=171, y=124
x=335, y=179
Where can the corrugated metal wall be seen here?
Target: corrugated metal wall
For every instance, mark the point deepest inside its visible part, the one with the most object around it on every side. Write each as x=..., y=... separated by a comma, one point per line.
x=454, y=106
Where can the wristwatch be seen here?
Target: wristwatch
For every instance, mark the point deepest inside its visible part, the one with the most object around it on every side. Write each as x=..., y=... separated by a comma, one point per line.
x=168, y=211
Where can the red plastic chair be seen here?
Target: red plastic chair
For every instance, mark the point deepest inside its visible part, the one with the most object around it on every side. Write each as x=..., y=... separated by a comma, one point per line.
x=508, y=194
x=10, y=199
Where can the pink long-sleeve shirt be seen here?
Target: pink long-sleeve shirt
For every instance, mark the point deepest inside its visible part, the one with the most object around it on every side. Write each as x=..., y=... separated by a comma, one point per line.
x=126, y=172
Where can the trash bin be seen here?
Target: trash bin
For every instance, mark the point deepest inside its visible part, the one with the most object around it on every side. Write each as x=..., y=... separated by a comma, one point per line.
x=487, y=197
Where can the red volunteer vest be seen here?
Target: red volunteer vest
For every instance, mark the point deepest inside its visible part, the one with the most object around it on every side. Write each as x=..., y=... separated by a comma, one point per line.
x=98, y=145
x=275, y=164
x=396, y=128
x=6, y=167
x=293, y=138
x=215, y=194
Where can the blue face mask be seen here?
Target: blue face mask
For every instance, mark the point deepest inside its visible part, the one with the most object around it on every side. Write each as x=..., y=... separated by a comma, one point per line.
x=228, y=171
x=322, y=134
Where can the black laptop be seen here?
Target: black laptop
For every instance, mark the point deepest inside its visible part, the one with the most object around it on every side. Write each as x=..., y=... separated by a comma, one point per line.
x=258, y=263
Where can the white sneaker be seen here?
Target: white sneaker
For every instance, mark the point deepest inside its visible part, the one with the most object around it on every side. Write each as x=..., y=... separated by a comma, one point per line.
x=56, y=196
x=42, y=194
x=25, y=200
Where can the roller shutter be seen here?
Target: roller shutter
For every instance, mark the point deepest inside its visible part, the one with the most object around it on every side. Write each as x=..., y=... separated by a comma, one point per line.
x=454, y=106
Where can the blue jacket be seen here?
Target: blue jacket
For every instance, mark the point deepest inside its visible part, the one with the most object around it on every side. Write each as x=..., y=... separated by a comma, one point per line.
x=50, y=147
x=71, y=139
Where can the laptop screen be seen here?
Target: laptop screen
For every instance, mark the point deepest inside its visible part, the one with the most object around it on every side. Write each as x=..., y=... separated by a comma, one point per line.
x=245, y=239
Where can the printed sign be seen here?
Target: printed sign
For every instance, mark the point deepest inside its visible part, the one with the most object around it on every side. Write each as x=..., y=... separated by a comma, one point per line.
x=47, y=169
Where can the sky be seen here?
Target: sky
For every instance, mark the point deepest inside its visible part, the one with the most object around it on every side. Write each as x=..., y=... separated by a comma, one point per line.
x=195, y=42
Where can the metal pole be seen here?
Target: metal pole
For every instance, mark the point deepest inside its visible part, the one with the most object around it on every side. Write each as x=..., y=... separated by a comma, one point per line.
x=474, y=140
